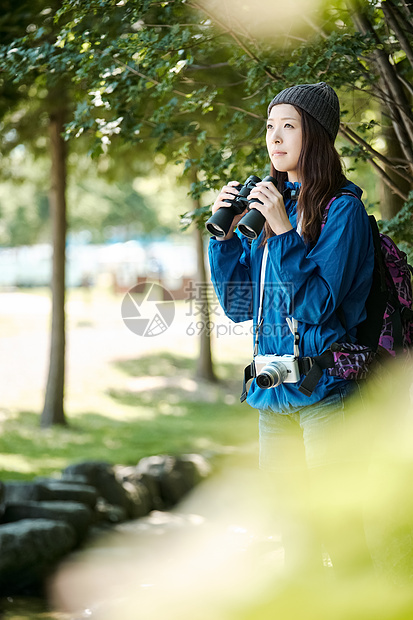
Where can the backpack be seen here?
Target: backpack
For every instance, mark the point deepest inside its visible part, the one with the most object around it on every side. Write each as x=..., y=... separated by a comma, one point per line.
x=387, y=331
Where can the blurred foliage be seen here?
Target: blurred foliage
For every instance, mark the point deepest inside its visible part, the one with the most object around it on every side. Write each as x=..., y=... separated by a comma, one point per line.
x=24, y=207
x=101, y=207
x=400, y=228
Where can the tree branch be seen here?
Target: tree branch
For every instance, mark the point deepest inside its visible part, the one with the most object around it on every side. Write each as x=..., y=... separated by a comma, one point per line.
x=408, y=13
x=217, y=65
x=144, y=24
x=389, y=13
x=386, y=70
x=233, y=107
x=385, y=177
x=388, y=181
x=232, y=34
x=256, y=92
x=406, y=84
x=314, y=26
x=182, y=94
x=356, y=139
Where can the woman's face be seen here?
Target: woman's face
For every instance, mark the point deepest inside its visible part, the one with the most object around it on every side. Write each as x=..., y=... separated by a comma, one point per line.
x=284, y=139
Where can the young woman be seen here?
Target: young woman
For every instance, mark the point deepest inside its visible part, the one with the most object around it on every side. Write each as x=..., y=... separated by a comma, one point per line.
x=318, y=273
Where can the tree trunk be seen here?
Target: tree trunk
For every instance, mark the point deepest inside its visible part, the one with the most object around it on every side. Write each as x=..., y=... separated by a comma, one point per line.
x=391, y=203
x=53, y=411
x=390, y=92
x=205, y=367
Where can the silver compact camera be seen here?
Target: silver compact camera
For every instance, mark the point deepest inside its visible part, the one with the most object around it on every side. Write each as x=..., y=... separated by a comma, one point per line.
x=272, y=370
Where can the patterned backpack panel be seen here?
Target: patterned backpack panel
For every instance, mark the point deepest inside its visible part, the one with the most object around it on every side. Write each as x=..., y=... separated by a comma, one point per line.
x=398, y=281
x=351, y=361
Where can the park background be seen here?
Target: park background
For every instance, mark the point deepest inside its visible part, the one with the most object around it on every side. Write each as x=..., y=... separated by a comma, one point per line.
x=119, y=122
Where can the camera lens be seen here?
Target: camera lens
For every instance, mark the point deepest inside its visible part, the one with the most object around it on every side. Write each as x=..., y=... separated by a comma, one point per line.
x=271, y=375
x=264, y=381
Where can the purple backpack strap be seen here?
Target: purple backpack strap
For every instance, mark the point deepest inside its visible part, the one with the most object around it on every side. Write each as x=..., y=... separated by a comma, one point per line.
x=326, y=210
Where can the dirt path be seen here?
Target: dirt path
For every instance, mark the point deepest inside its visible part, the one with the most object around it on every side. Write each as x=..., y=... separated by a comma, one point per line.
x=96, y=336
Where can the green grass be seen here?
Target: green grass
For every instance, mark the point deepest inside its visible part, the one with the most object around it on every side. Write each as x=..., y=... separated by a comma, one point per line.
x=167, y=411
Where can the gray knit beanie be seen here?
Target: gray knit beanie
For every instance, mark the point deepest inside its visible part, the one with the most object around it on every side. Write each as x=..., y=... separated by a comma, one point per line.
x=319, y=100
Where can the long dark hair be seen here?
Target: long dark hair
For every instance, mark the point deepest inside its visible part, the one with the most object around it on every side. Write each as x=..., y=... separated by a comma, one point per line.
x=321, y=174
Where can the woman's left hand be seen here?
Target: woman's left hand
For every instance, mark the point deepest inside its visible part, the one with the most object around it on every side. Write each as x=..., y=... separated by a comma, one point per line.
x=272, y=207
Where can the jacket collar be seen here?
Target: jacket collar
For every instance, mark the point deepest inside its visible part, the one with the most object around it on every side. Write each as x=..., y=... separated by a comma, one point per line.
x=290, y=194
x=291, y=190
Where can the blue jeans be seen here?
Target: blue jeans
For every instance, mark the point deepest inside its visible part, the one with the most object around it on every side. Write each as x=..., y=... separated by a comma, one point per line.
x=307, y=438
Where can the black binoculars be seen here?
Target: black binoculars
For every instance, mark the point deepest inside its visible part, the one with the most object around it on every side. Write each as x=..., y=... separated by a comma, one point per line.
x=251, y=224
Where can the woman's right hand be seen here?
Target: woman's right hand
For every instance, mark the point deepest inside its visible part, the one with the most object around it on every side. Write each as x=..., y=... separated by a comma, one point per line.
x=227, y=193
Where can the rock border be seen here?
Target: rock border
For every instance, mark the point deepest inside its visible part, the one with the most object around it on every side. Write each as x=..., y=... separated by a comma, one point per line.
x=44, y=520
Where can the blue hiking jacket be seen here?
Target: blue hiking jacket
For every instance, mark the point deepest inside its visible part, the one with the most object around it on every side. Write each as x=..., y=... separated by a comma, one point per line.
x=306, y=282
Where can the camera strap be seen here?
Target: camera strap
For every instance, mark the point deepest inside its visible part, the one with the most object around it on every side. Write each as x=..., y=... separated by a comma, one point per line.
x=249, y=371
x=260, y=318
x=293, y=325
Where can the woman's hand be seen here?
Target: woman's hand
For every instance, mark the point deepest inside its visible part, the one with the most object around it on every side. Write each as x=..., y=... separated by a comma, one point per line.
x=227, y=193
x=272, y=207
